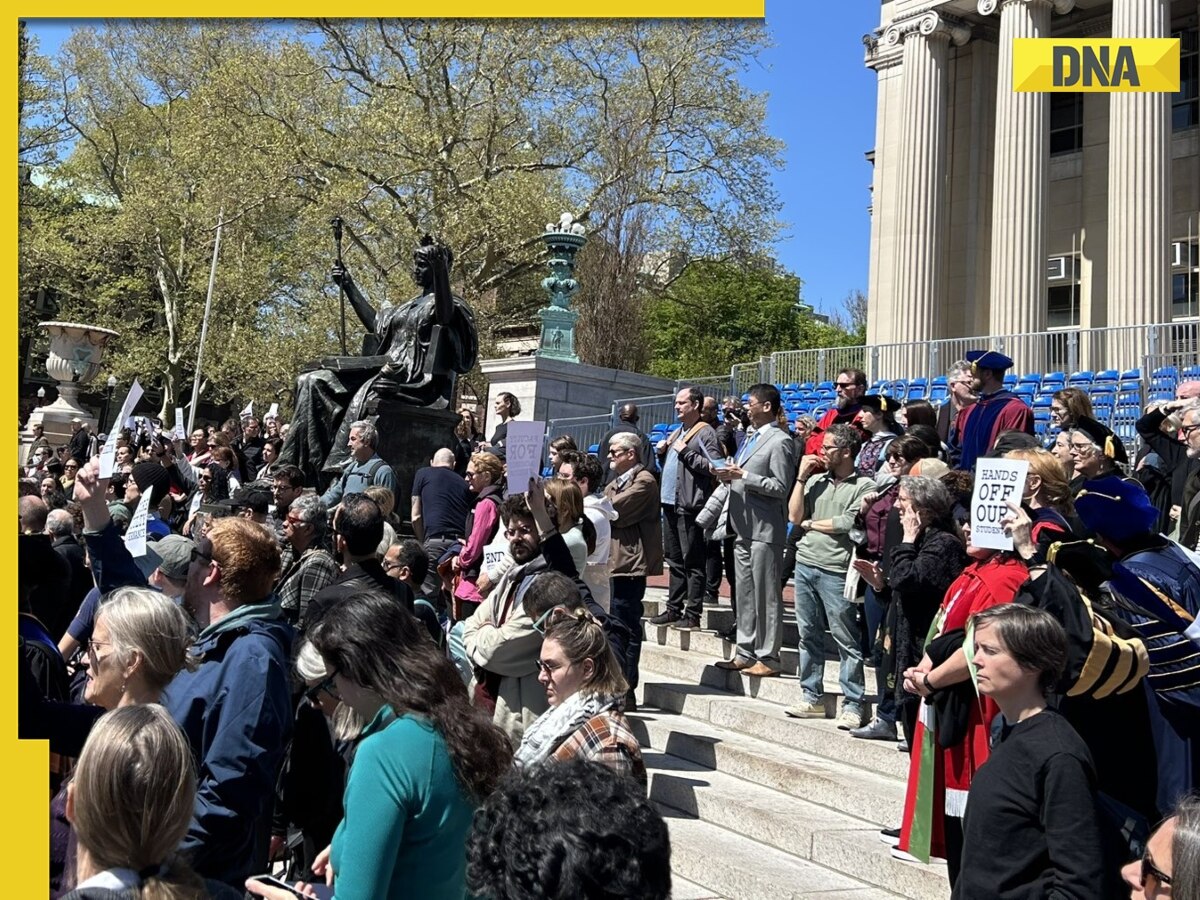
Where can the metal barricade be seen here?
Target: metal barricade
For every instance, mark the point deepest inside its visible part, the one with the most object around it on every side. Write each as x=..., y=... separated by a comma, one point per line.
x=586, y=430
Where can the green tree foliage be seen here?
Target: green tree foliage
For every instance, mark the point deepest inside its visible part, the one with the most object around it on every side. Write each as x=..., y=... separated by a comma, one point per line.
x=719, y=313
x=478, y=132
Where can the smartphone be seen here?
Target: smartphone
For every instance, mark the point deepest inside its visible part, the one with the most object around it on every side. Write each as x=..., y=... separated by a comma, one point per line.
x=718, y=463
x=277, y=883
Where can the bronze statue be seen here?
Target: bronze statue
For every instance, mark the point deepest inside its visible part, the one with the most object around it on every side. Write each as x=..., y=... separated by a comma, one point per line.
x=412, y=353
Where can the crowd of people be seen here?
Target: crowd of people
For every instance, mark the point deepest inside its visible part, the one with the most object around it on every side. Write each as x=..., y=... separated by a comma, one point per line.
x=434, y=715
x=283, y=680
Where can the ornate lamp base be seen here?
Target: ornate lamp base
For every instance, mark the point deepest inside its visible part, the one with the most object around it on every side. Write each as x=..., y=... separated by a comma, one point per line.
x=558, y=333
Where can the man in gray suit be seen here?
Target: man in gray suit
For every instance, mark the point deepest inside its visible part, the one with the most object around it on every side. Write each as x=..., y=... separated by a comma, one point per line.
x=759, y=481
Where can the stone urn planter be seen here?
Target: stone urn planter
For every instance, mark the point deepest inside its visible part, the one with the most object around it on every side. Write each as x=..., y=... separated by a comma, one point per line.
x=75, y=354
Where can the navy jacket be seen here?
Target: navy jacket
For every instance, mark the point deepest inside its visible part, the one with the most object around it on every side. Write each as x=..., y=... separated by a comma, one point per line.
x=236, y=711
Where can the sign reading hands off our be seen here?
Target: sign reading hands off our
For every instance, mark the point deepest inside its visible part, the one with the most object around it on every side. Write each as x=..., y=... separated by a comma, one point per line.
x=997, y=481
x=523, y=454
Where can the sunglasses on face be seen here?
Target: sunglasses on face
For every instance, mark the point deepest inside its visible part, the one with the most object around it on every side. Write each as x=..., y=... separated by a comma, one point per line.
x=1150, y=870
x=198, y=554
x=313, y=694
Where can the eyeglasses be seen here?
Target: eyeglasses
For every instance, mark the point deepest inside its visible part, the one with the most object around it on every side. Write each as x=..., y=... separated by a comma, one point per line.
x=619, y=452
x=92, y=645
x=313, y=694
x=551, y=668
x=197, y=553
x=843, y=385
x=1149, y=869
x=518, y=532
x=74, y=468
x=1081, y=449
x=1186, y=430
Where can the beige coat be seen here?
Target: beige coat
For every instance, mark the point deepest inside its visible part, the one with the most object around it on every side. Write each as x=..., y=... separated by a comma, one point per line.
x=501, y=638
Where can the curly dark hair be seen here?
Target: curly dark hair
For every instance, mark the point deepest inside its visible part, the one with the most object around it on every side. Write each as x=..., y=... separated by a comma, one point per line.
x=573, y=829
x=377, y=643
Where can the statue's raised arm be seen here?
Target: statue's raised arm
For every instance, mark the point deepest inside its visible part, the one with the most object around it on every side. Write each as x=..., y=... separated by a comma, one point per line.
x=362, y=306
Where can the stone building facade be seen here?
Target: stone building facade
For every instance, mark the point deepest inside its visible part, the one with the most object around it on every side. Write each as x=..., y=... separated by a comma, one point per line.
x=1003, y=213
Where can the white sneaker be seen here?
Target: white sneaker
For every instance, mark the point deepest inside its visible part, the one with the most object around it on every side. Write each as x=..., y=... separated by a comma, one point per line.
x=850, y=719
x=808, y=709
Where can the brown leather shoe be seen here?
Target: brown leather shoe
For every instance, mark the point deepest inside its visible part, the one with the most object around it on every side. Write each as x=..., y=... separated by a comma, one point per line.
x=734, y=665
x=761, y=670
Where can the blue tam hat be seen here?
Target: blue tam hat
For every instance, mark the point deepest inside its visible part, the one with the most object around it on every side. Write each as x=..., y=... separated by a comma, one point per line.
x=1116, y=508
x=988, y=359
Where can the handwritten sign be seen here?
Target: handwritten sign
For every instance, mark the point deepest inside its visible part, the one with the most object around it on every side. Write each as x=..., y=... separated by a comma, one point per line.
x=523, y=454
x=108, y=454
x=135, y=536
x=494, y=553
x=997, y=481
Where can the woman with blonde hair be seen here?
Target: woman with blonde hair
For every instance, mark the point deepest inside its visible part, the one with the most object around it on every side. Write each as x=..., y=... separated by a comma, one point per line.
x=130, y=803
x=1068, y=406
x=586, y=692
x=576, y=529
x=485, y=479
x=1048, y=499
x=139, y=644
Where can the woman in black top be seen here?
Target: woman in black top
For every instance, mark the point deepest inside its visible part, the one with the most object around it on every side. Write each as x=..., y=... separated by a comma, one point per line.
x=1032, y=827
x=507, y=407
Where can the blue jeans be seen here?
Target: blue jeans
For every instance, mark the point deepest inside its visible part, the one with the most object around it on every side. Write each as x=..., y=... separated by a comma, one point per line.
x=819, y=600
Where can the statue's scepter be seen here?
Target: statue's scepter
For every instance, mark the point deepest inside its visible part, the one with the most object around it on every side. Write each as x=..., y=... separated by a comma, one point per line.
x=336, y=222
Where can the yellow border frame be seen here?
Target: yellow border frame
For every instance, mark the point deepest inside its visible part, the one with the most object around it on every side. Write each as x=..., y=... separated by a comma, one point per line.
x=26, y=762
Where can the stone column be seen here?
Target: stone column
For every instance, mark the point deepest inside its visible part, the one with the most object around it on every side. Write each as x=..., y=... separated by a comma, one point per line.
x=1139, y=198
x=921, y=214
x=1018, y=266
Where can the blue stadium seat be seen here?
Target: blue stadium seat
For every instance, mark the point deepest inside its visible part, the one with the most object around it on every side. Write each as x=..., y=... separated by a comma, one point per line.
x=825, y=386
x=1160, y=394
x=940, y=381
x=594, y=449
x=1030, y=378
x=1190, y=373
x=915, y=392
x=1108, y=375
x=1042, y=402
x=808, y=386
x=1108, y=387
x=876, y=385
x=938, y=393
x=1132, y=375
x=1054, y=378
x=1081, y=379
x=1165, y=372
x=791, y=387
x=1010, y=380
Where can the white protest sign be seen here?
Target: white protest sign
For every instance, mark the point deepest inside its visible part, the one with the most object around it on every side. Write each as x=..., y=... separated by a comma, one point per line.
x=248, y=411
x=135, y=536
x=494, y=552
x=997, y=481
x=273, y=412
x=108, y=453
x=523, y=454
x=180, y=428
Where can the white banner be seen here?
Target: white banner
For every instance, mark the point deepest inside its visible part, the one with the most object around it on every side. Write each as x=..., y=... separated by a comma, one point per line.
x=273, y=412
x=108, y=453
x=180, y=428
x=135, y=536
x=997, y=481
x=523, y=454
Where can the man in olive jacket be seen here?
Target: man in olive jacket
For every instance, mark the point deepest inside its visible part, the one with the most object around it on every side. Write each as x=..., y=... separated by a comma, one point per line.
x=636, y=548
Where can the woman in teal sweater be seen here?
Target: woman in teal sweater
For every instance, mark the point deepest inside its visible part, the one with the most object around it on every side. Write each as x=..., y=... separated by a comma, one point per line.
x=426, y=759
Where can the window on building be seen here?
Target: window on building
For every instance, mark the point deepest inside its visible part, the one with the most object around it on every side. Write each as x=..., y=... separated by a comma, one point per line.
x=1066, y=123
x=1185, y=279
x=1062, y=294
x=1185, y=105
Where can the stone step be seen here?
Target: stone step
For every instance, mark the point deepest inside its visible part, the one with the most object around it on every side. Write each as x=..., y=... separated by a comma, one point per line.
x=764, y=720
x=788, y=824
x=709, y=643
x=682, y=889
x=696, y=668
x=860, y=793
x=741, y=868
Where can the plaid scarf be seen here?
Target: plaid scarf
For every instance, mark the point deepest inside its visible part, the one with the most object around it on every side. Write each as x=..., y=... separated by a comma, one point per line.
x=557, y=724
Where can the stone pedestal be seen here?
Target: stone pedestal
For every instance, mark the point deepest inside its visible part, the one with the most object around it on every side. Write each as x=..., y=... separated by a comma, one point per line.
x=408, y=438
x=553, y=389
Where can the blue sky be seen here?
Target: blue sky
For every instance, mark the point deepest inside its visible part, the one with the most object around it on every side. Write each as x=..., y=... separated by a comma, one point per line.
x=822, y=105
